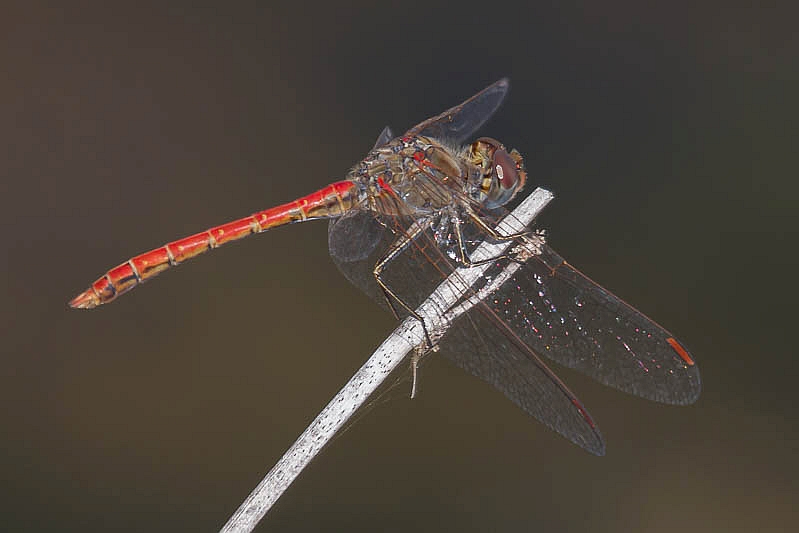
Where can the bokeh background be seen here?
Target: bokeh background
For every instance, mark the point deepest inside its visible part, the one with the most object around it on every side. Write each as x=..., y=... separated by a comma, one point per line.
x=667, y=133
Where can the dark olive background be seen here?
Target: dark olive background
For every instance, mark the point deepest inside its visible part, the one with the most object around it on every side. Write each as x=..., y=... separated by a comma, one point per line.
x=667, y=133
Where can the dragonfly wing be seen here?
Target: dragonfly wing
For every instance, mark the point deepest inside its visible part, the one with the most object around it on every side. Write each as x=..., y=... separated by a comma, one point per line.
x=385, y=136
x=459, y=123
x=562, y=314
x=475, y=344
x=354, y=237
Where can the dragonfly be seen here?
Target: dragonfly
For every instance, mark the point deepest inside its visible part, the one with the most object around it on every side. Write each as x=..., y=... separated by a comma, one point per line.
x=410, y=214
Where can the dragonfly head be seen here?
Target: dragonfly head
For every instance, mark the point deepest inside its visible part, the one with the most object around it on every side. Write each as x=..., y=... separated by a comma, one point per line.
x=503, y=173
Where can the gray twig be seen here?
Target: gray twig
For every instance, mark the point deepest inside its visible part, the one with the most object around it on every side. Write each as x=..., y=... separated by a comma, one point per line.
x=407, y=337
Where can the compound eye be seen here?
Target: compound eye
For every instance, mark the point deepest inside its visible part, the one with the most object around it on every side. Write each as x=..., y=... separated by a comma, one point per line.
x=507, y=177
x=505, y=170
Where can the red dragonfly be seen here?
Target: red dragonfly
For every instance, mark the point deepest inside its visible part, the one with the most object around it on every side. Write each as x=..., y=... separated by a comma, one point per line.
x=409, y=214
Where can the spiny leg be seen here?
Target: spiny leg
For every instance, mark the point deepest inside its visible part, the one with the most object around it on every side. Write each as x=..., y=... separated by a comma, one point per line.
x=401, y=244
x=419, y=352
x=464, y=256
x=415, y=360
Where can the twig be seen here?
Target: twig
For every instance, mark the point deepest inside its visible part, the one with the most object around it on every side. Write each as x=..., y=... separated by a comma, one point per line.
x=407, y=337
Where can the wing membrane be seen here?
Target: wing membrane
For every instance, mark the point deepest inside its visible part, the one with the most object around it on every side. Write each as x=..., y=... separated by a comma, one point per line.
x=478, y=342
x=561, y=313
x=478, y=346
x=459, y=123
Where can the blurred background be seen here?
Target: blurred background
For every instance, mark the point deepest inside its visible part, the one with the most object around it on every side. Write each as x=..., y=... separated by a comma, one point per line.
x=667, y=133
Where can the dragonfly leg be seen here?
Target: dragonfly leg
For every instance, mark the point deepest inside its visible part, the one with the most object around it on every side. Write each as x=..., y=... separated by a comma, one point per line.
x=529, y=240
x=419, y=353
x=464, y=256
x=397, y=247
x=415, y=359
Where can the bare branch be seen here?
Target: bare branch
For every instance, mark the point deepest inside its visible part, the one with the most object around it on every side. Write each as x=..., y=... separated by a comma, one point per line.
x=394, y=350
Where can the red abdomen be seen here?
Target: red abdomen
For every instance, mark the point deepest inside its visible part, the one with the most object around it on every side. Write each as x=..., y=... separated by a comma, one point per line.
x=330, y=202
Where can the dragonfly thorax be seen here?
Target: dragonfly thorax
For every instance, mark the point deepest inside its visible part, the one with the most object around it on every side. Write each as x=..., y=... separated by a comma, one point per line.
x=416, y=176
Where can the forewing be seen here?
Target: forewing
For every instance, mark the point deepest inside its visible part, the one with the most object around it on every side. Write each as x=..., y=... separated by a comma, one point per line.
x=385, y=136
x=459, y=123
x=561, y=313
x=478, y=342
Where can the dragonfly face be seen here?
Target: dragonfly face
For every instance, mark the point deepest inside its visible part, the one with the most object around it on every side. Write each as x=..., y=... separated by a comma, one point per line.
x=503, y=171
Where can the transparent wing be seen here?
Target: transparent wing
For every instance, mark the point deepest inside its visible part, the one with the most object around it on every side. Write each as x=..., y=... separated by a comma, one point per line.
x=477, y=342
x=459, y=123
x=561, y=313
x=352, y=240
x=547, y=308
x=385, y=136
x=478, y=346
x=360, y=232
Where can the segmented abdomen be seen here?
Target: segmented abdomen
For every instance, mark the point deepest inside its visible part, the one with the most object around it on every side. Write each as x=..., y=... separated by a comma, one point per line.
x=329, y=202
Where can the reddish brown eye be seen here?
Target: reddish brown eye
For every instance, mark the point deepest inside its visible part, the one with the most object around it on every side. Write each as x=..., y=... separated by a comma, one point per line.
x=503, y=173
x=505, y=169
